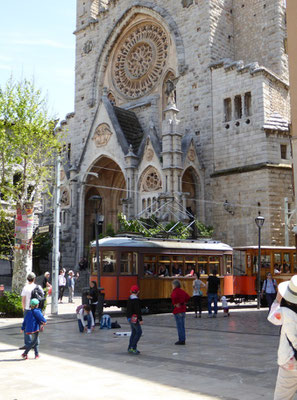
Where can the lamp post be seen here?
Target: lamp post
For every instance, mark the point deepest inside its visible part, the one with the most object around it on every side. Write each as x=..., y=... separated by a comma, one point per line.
x=259, y=222
x=98, y=220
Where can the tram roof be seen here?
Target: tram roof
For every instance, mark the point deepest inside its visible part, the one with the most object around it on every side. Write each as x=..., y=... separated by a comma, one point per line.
x=162, y=243
x=263, y=247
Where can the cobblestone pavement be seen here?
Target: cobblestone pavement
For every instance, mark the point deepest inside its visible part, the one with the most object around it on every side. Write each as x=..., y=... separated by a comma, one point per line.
x=224, y=358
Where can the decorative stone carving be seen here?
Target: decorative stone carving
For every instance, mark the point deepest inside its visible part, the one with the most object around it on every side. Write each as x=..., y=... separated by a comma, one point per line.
x=65, y=198
x=102, y=135
x=191, y=155
x=149, y=154
x=88, y=47
x=62, y=174
x=187, y=3
x=151, y=181
x=140, y=59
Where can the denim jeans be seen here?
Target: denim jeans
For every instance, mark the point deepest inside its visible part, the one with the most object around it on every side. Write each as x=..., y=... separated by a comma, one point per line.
x=86, y=318
x=212, y=297
x=27, y=338
x=136, y=333
x=34, y=343
x=70, y=294
x=180, y=325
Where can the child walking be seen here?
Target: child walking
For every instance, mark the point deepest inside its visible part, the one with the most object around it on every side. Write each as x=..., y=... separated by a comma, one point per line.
x=32, y=324
x=135, y=319
x=225, y=306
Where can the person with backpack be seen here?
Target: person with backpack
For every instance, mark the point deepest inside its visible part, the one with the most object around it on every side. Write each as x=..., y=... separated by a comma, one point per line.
x=284, y=312
x=135, y=319
x=270, y=289
x=32, y=325
x=26, y=297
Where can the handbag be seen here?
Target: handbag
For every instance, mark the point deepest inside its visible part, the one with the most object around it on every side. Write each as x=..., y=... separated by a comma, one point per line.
x=275, y=315
x=200, y=293
x=134, y=319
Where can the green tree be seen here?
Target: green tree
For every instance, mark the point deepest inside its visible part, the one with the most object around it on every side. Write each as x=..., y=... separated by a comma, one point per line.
x=28, y=146
x=151, y=227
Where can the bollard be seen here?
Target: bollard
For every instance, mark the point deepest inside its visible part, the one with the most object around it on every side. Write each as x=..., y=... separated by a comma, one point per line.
x=1, y=290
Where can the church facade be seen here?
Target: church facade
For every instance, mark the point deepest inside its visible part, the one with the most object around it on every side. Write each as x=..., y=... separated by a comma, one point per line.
x=180, y=106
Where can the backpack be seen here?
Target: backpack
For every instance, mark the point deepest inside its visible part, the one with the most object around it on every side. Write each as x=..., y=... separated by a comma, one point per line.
x=78, y=308
x=38, y=293
x=105, y=322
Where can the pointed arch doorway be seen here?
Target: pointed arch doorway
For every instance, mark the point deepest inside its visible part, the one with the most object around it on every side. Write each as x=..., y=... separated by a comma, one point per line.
x=111, y=186
x=192, y=188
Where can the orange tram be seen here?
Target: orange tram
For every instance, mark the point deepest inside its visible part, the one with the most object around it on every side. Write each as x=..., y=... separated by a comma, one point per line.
x=125, y=261
x=279, y=261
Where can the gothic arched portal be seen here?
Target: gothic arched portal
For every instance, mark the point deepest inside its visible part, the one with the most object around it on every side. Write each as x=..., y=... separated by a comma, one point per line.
x=191, y=190
x=110, y=185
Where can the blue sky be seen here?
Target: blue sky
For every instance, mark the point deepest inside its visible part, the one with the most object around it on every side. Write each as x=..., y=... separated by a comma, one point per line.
x=37, y=42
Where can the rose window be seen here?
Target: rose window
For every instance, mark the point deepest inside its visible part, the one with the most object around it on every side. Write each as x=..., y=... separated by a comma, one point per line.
x=140, y=59
x=151, y=181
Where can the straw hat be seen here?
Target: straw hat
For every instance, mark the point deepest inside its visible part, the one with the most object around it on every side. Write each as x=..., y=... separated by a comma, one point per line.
x=288, y=290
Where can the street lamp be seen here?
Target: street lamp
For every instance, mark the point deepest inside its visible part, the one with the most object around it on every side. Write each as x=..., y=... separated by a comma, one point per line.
x=259, y=222
x=98, y=220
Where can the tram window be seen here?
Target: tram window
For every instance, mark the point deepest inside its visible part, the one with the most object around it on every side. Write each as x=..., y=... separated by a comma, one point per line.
x=128, y=265
x=203, y=265
x=150, y=265
x=227, y=266
x=265, y=261
x=214, y=263
x=286, y=268
x=277, y=259
x=94, y=265
x=109, y=262
x=294, y=263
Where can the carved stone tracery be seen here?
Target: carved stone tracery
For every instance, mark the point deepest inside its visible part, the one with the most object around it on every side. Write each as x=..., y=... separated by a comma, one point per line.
x=140, y=59
x=151, y=181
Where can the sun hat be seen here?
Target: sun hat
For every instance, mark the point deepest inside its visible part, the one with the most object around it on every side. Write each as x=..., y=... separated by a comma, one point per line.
x=134, y=289
x=34, y=302
x=288, y=290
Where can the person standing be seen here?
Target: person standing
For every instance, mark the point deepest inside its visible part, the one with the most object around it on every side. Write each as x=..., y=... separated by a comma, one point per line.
x=197, y=294
x=93, y=298
x=26, y=297
x=135, y=319
x=213, y=286
x=286, y=315
x=179, y=299
x=62, y=284
x=71, y=283
x=270, y=289
x=31, y=326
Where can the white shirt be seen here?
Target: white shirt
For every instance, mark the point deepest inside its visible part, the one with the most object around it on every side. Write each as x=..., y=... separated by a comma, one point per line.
x=80, y=315
x=289, y=329
x=61, y=280
x=26, y=292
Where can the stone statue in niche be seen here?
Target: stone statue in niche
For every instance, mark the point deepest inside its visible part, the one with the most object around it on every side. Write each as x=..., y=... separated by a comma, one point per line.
x=65, y=198
x=170, y=90
x=187, y=3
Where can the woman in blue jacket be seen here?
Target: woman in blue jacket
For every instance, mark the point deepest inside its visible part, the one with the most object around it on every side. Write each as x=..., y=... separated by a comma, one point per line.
x=32, y=324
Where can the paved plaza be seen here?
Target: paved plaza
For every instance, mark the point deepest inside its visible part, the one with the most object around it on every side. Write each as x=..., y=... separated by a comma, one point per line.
x=224, y=358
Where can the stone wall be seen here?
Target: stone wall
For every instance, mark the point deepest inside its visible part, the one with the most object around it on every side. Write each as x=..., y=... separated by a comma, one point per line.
x=259, y=33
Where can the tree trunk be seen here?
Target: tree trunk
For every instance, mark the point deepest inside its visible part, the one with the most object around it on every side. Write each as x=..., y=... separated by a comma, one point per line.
x=23, y=245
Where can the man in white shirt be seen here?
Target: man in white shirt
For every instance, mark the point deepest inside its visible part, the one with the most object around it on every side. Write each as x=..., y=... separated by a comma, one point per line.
x=26, y=297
